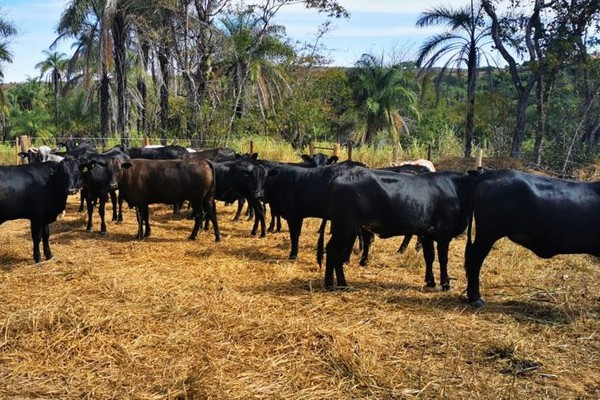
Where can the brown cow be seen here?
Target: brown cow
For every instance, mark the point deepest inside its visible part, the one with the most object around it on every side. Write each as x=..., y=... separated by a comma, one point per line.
x=143, y=182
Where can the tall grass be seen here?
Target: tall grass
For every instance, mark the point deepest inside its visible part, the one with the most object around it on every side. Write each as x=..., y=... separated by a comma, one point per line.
x=379, y=155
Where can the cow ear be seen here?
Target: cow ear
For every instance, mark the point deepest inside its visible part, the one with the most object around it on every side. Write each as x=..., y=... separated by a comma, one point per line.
x=126, y=165
x=254, y=156
x=332, y=160
x=305, y=157
x=22, y=154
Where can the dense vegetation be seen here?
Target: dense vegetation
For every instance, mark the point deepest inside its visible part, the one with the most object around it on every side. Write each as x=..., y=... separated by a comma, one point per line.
x=209, y=72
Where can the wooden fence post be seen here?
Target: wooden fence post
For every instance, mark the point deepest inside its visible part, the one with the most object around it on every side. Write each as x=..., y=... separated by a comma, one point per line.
x=336, y=149
x=350, y=151
x=479, y=158
x=311, y=148
x=146, y=141
x=429, y=151
x=18, y=159
x=251, y=147
x=394, y=153
x=24, y=143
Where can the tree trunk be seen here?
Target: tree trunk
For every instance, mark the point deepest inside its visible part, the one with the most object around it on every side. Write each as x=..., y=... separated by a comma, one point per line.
x=519, y=135
x=471, y=85
x=119, y=43
x=104, y=102
x=163, y=60
x=142, y=125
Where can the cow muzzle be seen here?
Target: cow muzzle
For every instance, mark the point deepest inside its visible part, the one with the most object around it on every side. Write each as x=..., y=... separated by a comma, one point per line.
x=259, y=195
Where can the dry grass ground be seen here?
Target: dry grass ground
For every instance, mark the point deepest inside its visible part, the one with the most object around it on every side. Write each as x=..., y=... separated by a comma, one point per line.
x=166, y=318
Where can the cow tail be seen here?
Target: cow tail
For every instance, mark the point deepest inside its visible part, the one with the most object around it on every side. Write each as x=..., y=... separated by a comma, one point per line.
x=214, y=188
x=321, y=243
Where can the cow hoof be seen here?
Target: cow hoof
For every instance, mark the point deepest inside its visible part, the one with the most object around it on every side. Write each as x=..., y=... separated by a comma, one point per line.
x=330, y=288
x=292, y=257
x=429, y=287
x=192, y=238
x=477, y=304
x=103, y=233
x=262, y=235
x=252, y=233
x=446, y=287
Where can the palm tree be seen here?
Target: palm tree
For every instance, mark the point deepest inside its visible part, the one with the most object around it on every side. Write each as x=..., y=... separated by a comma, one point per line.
x=381, y=92
x=85, y=21
x=251, y=61
x=7, y=32
x=53, y=66
x=461, y=44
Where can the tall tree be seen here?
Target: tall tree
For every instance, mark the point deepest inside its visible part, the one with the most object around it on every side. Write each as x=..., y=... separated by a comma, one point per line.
x=263, y=67
x=506, y=31
x=383, y=95
x=462, y=44
x=86, y=21
x=54, y=67
x=7, y=32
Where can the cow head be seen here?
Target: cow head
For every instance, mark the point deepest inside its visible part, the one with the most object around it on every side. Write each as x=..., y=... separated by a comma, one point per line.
x=73, y=174
x=102, y=174
x=319, y=159
x=250, y=176
x=32, y=155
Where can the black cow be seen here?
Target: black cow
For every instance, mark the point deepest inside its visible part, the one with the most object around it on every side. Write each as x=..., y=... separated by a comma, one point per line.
x=242, y=178
x=434, y=206
x=37, y=192
x=100, y=174
x=295, y=193
x=548, y=216
x=143, y=182
x=367, y=236
x=217, y=154
x=308, y=161
x=316, y=160
x=172, y=152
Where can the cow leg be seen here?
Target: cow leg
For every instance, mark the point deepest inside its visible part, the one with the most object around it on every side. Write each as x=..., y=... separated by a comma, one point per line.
x=250, y=212
x=113, y=201
x=199, y=216
x=474, y=255
x=240, y=207
x=140, y=222
x=90, y=211
x=429, y=256
x=101, y=212
x=146, y=220
x=82, y=196
x=211, y=210
x=367, y=239
x=295, y=227
x=120, y=214
x=36, y=237
x=260, y=218
x=442, y=249
x=278, y=227
x=321, y=243
x=46, y=241
x=405, y=243
x=337, y=247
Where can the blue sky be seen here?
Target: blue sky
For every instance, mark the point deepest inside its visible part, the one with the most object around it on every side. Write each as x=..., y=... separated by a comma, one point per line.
x=381, y=27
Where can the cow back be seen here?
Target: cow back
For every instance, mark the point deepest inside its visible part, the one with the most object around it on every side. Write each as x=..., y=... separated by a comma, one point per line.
x=145, y=181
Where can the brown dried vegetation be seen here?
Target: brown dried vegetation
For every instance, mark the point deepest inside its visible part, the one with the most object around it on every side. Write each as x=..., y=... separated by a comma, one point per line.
x=166, y=318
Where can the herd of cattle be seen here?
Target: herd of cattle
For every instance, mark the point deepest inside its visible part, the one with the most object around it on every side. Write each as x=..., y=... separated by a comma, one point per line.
x=546, y=215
